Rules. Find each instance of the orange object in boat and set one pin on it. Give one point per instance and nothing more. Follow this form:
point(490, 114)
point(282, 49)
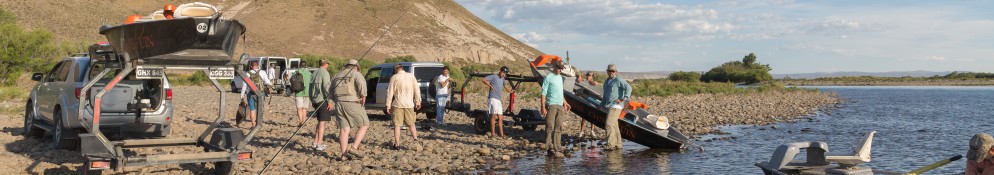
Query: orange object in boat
point(543, 59)
point(132, 19)
point(168, 11)
point(632, 105)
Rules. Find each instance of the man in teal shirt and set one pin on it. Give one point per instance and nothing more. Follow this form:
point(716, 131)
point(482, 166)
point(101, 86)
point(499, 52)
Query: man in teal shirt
point(303, 97)
point(616, 92)
point(554, 109)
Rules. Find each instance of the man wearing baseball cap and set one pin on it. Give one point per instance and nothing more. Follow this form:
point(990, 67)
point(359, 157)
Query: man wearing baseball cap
point(554, 109)
point(616, 92)
point(979, 156)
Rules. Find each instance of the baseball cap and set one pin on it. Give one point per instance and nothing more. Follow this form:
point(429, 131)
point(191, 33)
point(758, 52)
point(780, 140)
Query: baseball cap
point(353, 62)
point(612, 67)
point(979, 146)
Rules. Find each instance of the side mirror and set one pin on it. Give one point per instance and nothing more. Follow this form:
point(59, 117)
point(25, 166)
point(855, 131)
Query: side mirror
point(36, 76)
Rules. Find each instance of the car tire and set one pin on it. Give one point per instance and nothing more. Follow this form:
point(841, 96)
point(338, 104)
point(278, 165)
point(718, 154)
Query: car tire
point(223, 168)
point(30, 130)
point(61, 136)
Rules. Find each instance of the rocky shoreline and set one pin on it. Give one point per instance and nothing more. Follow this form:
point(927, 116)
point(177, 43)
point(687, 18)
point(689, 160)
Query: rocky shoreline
point(453, 148)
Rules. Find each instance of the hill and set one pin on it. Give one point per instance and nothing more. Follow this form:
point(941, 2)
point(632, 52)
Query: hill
point(432, 30)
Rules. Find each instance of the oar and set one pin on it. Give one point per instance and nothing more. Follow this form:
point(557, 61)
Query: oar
point(934, 165)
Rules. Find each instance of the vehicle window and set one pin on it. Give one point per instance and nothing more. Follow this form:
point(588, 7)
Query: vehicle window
point(295, 65)
point(385, 74)
point(52, 73)
point(97, 67)
point(64, 71)
point(425, 74)
point(373, 73)
point(81, 66)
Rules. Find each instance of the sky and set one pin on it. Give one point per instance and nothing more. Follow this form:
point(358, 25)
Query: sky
point(791, 36)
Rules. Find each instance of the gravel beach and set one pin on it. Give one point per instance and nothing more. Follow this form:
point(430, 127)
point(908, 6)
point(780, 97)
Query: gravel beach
point(453, 148)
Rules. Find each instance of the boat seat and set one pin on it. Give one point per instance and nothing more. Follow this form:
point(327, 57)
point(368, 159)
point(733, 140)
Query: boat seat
point(157, 15)
point(859, 155)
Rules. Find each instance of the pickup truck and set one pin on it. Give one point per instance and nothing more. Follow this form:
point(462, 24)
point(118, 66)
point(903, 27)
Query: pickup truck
point(133, 108)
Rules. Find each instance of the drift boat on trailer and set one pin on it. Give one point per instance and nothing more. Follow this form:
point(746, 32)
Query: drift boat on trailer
point(191, 36)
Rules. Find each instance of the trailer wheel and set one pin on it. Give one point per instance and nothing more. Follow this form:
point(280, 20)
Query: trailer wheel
point(30, 130)
point(223, 168)
point(481, 122)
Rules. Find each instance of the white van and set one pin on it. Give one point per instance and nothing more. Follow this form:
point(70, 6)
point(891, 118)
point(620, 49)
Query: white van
point(279, 66)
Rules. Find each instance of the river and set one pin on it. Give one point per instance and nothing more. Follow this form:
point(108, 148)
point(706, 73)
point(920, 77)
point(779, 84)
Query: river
point(915, 127)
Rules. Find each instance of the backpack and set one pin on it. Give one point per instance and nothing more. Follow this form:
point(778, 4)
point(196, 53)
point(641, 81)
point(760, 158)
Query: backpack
point(297, 82)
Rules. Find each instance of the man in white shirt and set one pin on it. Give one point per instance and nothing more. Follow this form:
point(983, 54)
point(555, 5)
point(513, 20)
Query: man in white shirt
point(442, 95)
point(249, 97)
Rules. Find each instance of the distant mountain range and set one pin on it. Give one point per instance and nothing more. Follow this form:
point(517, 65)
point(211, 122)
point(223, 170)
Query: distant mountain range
point(664, 74)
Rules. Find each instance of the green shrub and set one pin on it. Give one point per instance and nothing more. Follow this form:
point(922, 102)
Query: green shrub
point(12, 93)
point(685, 76)
point(745, 71)
point(406, 58)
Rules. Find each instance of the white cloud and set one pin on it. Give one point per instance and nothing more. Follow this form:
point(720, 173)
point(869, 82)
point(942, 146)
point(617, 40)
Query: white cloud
point(530, 38)
point(621, 18)
point(815, 48)
point(935, 58)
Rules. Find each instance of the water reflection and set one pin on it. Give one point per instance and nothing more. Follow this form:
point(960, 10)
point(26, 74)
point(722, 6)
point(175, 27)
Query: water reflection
point(615, 162)
point(553, 165)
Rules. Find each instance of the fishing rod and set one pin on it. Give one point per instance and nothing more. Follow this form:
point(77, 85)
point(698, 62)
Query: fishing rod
point(326, 101)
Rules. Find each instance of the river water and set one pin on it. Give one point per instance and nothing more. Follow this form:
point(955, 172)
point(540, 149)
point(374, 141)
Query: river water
point(915, 127)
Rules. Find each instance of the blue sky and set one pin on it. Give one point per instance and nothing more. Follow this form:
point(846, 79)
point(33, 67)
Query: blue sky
point(791, 36)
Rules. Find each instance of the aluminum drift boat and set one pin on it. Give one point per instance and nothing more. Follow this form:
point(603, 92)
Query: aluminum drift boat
point(198, 39)
point(638, 126)
point(191, 41)
point(820, 161)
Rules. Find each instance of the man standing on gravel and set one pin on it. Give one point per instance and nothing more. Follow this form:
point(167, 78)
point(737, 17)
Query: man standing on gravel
point(349, 88)
point(496, 84)
point(302, 98)
point(321, 100)
point(616, 92)
point(554, 109)
point(403, 97)
point(248, 96)
point(442, 95)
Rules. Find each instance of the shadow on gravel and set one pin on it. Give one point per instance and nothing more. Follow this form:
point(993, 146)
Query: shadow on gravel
point(39, 151)
point(274, 143)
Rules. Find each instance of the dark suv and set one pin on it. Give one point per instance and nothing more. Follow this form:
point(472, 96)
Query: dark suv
point(133, 108)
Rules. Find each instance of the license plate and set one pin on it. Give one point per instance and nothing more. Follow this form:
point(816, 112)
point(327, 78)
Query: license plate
point(225, 73)
point(148, 72)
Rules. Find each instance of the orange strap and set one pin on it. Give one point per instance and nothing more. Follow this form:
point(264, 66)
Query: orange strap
point(543, 59)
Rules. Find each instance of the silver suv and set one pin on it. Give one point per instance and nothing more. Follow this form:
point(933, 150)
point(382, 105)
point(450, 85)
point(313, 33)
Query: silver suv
point(133, 108)
point(378, 79)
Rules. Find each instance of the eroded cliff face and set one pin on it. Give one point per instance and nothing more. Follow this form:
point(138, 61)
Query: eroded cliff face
point(431, 30)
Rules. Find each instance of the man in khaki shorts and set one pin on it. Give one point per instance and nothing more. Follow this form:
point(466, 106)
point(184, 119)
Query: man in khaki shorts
point(349, 91)
point(403, 97)
point(302, 98)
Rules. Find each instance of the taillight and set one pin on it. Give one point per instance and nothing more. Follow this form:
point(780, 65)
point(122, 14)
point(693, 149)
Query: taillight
point(245, 155)
point(78, 91)
point(169, 94)
point(99, 165)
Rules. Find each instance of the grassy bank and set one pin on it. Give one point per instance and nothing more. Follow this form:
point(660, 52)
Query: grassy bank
point(663, 87)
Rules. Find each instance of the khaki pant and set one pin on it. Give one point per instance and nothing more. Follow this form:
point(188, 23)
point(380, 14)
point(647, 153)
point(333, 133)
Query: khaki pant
point(554, 128)
point(351, 115)
point(613, 132)
point(403, 116)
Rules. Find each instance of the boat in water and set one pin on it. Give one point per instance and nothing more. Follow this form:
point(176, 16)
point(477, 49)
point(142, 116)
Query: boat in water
point(197, 35)
point(638, 125)
point(820, 161)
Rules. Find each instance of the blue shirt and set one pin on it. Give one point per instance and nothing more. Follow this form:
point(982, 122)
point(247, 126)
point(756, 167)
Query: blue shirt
point(498, 84)
point(614, 89)
point(552, 89)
